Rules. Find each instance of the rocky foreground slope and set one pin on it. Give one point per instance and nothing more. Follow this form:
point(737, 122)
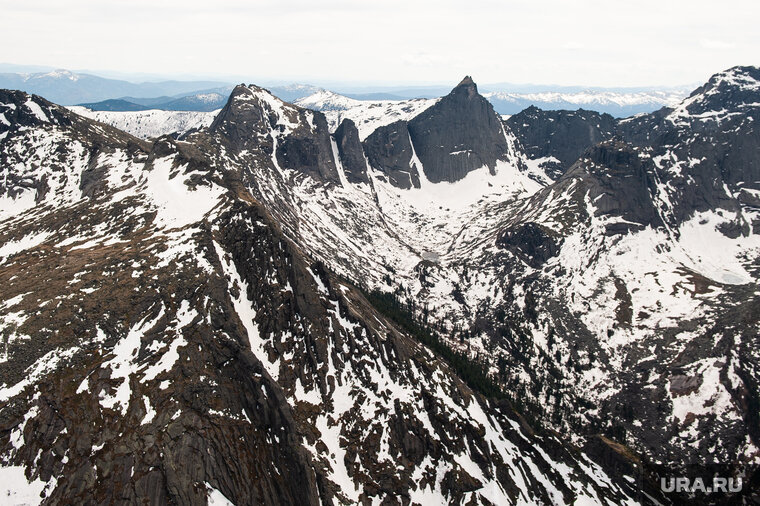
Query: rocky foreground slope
point(181, 322)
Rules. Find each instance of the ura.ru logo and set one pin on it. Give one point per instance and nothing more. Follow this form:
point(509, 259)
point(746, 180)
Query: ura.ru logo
point(718, 484)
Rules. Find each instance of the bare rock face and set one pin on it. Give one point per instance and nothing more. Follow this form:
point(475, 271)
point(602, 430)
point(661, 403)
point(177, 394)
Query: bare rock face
point(530, 242)
point(561, 135)
point(620, 183)
point(307, 148)
point(351, 152)
point(706, 150)
point(457, 135)
point(390, 151)
point(23, 110)
point(244, 118)
point(298, 139)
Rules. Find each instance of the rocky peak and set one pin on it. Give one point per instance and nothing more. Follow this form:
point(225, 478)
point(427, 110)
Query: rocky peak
point(294, 138)
point(733, 90)
point(51, 156)
point(705, 149)
point(466, 85)
point(619, 181)
point(20, 109)
point(457, 135)
point(559, 137)
point(245, 115)
point(745, 78)
point(389, 150)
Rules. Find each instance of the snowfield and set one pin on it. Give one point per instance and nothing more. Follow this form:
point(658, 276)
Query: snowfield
point(152, 123)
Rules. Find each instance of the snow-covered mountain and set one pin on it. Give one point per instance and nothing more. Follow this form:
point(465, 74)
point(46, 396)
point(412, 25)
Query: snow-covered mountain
point(585, 278)
point(367, 115)
point(150, 123)
point(204, 317)
point(617, 103)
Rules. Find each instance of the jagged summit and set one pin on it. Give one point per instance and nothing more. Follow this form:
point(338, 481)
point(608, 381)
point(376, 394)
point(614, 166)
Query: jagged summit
point(466, 81)
point(468, 86)
point(726, 93)
point(746, 77)
point(19, 108)
point(459, 134)
point(289, 136)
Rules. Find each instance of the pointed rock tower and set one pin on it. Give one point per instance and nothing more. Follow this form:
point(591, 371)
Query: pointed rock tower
point(459, 134)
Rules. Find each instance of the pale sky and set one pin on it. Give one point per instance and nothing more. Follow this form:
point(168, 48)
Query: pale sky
point(586, 42)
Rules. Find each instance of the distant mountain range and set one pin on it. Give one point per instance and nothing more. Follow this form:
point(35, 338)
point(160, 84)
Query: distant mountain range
point(617, 103)
point(69, 88)
point(205, 102)
point(105, 94)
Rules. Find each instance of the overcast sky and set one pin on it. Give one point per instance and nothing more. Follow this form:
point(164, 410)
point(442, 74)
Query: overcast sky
point(587, 42)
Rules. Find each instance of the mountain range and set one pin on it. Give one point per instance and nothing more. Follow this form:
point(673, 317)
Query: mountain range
point(103, 94)
point(341, 301)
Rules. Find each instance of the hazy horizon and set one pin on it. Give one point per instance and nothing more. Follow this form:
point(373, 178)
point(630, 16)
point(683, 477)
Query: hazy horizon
point(356, 86)
point(588, 43)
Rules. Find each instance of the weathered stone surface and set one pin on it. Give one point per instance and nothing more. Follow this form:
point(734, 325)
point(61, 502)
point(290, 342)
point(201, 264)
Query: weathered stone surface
point(532, 243)
point(351, 152)
point(563, 135)
point(390, 151)
point(254, 119)
point(457, 135)
point(620, 183)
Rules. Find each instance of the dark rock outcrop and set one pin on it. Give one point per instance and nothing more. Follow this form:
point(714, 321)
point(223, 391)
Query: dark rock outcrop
point(243, 118)
point(307, 149)
point(20, 110)
point(708, 149)
point(620, 183)
point(457, 135)
point(351, 152)
point(531, 242)
point(564, 135)
point(390, 151)
point(253, 119)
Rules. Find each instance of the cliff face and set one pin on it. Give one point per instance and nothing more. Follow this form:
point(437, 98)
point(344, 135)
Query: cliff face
point(350, 152)
point(559, 138)
point(389, 150)
point(298, 139)
point(457, 135)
